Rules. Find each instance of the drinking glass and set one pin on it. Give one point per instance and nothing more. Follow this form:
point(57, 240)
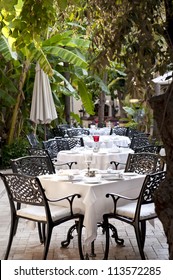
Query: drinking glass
point(96, 138)
point(88, 160)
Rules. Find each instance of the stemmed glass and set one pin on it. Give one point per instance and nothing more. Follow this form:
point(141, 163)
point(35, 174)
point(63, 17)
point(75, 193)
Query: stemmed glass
point(96, 140)
point(88, 160)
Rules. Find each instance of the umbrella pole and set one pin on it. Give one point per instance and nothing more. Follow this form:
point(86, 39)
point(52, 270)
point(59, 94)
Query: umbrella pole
point(45, 130)
point(35, 129)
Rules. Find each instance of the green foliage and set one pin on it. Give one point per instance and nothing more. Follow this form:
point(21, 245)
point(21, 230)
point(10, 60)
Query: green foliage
point(135, 33)
point(76, 117)
point(138, 114)
point(6, 50)
point(17, 149)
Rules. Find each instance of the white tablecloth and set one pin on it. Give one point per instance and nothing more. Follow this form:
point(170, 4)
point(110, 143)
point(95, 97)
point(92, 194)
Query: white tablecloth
point(107, 141)
point(99, 131)
point(101, 160)
point(93, 203)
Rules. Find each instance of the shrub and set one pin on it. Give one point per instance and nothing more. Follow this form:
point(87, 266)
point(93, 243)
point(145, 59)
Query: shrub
point(17, 149)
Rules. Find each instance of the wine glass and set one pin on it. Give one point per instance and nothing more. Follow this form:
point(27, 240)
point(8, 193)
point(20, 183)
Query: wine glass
point(96, 140)
point(88, 160)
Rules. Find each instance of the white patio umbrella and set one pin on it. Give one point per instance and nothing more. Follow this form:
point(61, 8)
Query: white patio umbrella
point(42, 106)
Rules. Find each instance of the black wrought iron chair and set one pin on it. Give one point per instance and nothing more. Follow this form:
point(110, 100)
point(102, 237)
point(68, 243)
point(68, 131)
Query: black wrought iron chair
point(139, 140)
point(85, 131)
point(54, 146)
point(36, 207)
point(38, 152)
point(132, 131)
point(148, 149)
point(74, 141)
point(71, 132)
point(33, 141)
point(60, 130)
point(135, 211)
point(33, 166)
point(43, 152)
point(144, 163)
point(119, 130)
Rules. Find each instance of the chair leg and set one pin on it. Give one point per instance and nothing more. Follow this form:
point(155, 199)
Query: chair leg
point(79, 231)
point(106, 230)
point(143, 232)
point(47, 241)
point(139, 241)
point(41, 232)
point(13, 229)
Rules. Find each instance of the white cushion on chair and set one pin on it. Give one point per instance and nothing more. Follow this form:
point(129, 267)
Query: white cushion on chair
point(38, 212)
point(128, 210)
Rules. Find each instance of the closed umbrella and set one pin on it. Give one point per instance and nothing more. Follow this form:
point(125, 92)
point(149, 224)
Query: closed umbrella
point(42, 106)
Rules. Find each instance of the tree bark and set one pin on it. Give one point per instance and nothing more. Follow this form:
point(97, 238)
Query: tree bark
point(67, 98)
point(19, 101)
point(102, 100)
point(163, 114)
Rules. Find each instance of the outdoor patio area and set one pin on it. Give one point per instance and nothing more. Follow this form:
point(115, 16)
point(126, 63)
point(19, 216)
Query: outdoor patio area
point(26, 245)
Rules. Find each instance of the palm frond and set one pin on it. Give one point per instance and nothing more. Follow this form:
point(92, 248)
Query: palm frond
point(6, 50)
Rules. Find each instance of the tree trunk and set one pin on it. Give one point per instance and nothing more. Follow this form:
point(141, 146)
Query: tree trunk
point(67, 98)
point(163, 114)
point(102, 100)
point(20, 98)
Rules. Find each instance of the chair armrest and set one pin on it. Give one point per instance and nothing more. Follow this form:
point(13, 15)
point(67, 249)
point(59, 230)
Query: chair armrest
point(69, 198)
point(116, 197)
point(116, 163)
point(69, 164)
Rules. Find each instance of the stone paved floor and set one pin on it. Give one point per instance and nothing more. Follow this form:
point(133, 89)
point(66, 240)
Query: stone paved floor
point(26, 244)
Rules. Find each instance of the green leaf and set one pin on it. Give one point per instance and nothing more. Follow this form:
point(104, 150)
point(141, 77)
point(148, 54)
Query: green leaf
point(129, 110)
point(39, 56)
point(75, 117)
point(5, 49)
point(101, 84)
point(75, 43)
point(62, 4)
point(66, 55)
point(7, 99)
point(54, 40)
point(68, 85)
point(7, 81)
point(86, 97)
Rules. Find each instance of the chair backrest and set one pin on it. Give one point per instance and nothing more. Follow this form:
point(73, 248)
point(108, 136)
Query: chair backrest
point(139, 140)
point(22, 189)
point(53, 146)
point(33, 141)
point(119, 130)
point(32, 165)
point(142, 163)
point(85, 131)
point(148, 149)
point(132, 131)
point(150, 185)
point(71, 132)
point(38, 152)
point(74, 141)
